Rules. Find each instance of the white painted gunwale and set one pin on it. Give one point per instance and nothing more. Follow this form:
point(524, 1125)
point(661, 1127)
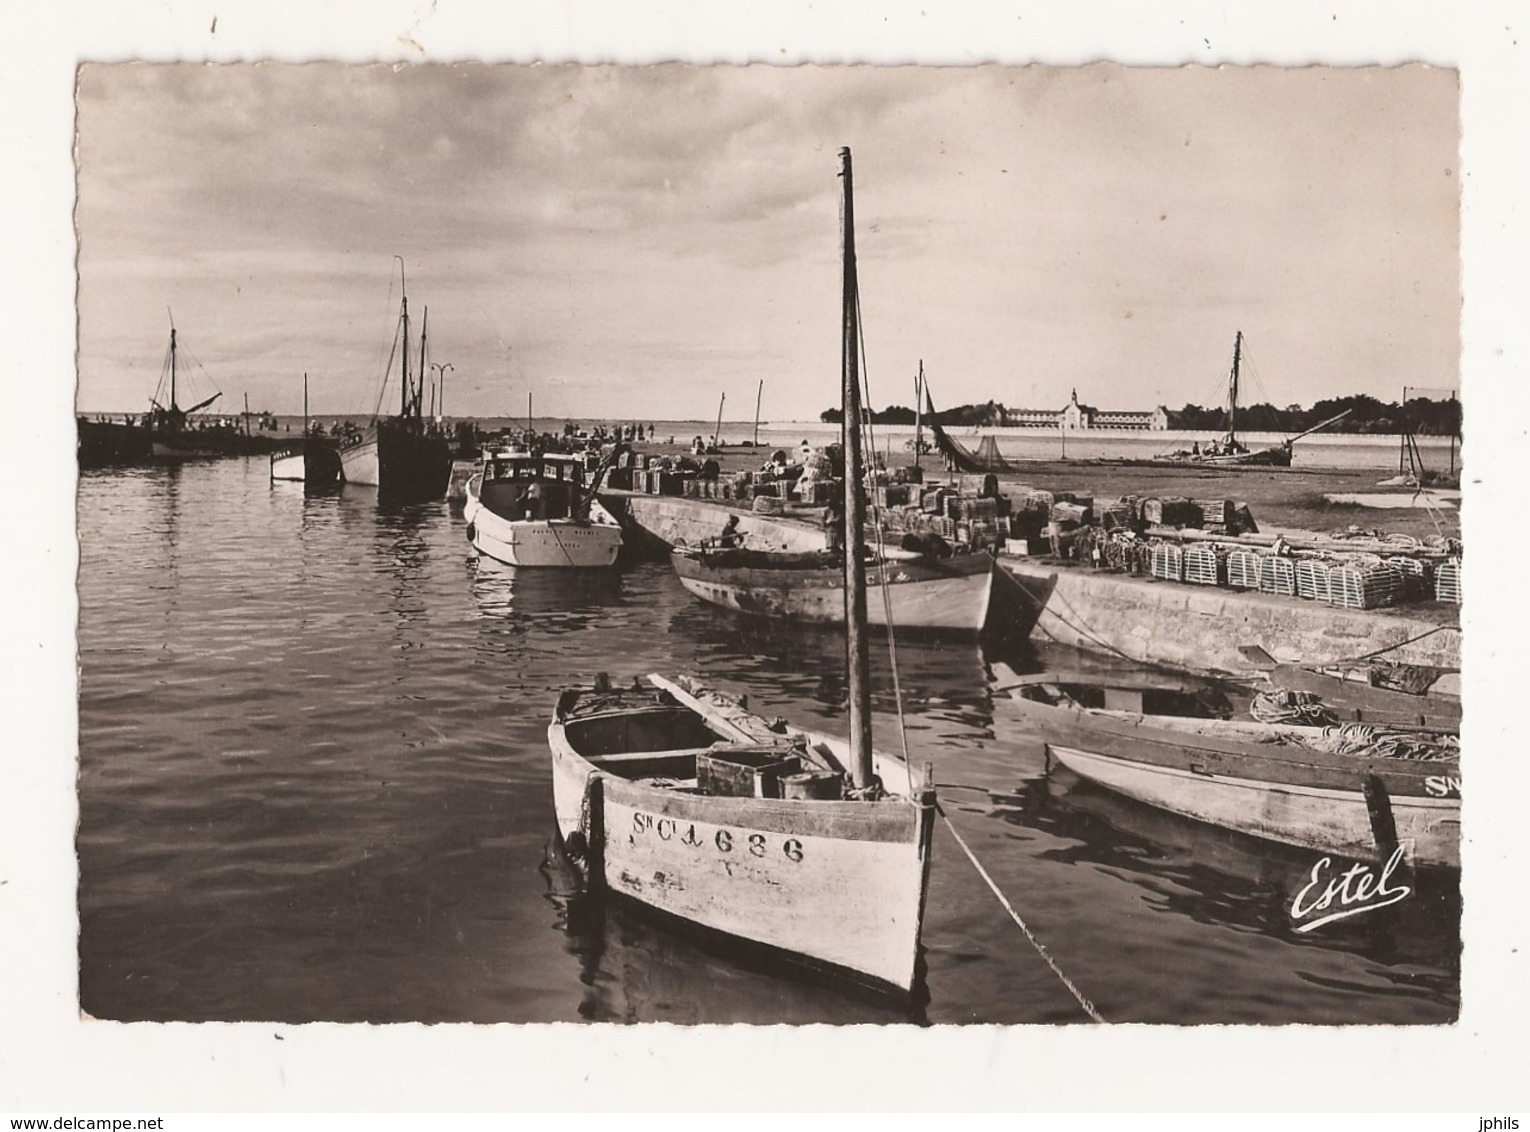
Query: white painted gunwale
point(918, 600)
point(1321, 818)
point(849, 893)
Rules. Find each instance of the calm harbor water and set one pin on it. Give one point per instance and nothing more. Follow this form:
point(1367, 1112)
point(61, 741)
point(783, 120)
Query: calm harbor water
point(314, 785)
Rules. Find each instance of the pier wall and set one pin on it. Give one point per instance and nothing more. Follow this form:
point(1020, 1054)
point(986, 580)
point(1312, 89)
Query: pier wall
point(1202, 626)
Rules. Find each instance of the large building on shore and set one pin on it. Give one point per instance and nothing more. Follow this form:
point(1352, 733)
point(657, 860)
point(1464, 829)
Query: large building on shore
point(1074, 417)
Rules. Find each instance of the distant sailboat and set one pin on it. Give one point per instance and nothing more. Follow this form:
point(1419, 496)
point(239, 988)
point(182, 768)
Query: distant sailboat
point(401, 456)
point(1229, 451)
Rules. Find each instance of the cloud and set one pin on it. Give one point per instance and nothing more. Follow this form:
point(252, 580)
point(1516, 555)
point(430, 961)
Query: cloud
point(1016, 226)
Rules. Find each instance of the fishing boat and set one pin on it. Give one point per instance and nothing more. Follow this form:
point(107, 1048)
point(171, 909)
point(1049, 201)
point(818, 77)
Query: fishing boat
point(1357, 790)
point(315, 460)
point(403, 457)
point(526, 508)
point(925, 593)
point(680, 798)
point(1228, 451)
point(1371, 690)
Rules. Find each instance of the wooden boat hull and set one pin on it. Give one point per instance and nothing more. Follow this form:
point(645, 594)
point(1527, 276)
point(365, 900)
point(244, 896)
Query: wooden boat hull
point(840, 884)
point(290, 467)
point(400, 461)
point(316, 461)
point(945, 595)
point(542, 543)
point(1262, 458)
point(1350, 699)
point(1279, 791)
point(1324, 819)
point(359, 462)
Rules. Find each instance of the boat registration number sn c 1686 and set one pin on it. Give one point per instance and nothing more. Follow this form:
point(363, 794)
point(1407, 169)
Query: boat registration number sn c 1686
point(721, 840)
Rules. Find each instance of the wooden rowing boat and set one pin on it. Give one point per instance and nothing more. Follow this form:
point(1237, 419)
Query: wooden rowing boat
point(683, 800)
point(1371, 691)
point(940, 595)
point(1328, 789)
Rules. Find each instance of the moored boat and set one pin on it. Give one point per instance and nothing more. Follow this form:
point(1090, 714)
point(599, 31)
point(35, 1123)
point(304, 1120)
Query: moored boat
point(405, 458)
point(1373, 690)
point(1358, 790)
point(1228, 451)
point(924, 593)
point(529, 509)
point(684, 801)
point(314, 460)
point(167, 432)
point(689, 803)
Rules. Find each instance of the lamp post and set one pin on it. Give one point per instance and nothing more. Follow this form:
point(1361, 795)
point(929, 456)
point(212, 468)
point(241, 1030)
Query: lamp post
point(441, 369)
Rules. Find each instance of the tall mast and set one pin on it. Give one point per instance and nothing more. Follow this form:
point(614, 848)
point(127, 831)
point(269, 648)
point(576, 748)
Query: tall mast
point(421, 371)
point(404, 322)
point(305, 404)
point(759, 393)
point(918, 412)
point(1232, 388)
point(717, 432)
point(858, 662)
point(172, 369)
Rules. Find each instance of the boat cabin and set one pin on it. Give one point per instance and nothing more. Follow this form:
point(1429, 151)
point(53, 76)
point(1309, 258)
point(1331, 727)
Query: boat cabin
point(528, 487)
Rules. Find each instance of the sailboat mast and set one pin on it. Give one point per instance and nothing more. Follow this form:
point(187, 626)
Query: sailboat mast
point(421, 371)
point(1232, 388)
point(403, 290)
point(404, 396)
point(858, 660)
point(918, 412)
point(305, 404)
point(759, 393)
point(717, 432)
point(172, 369)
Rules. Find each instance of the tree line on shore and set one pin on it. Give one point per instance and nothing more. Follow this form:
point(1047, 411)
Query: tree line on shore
point(1422, 416)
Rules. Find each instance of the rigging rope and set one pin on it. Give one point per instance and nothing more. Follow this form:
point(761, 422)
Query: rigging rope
point(1401, 644)
point(1078, 996)
point(876, 513)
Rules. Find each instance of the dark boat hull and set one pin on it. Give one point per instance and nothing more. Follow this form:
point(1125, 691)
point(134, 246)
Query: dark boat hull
point(401, 459)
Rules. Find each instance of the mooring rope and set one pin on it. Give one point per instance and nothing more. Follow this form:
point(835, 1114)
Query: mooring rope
point(1400, 644)
point(1078, 996)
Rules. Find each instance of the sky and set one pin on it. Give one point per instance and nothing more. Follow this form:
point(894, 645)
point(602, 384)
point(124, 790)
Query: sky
point(626, 242)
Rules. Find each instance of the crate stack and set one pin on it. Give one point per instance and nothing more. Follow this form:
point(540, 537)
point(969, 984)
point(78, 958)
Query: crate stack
point(1447, 581)
point(1243, 569)
point(1168, 562)
point(1312, 579)
point(1418, 576)
point(1216, 513)
point(1365, 585)
point(1277, 575)
point(1171, 512)
point(1205, 565)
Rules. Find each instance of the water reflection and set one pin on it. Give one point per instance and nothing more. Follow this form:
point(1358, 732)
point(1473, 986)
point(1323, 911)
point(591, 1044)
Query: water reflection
point(558, 600)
